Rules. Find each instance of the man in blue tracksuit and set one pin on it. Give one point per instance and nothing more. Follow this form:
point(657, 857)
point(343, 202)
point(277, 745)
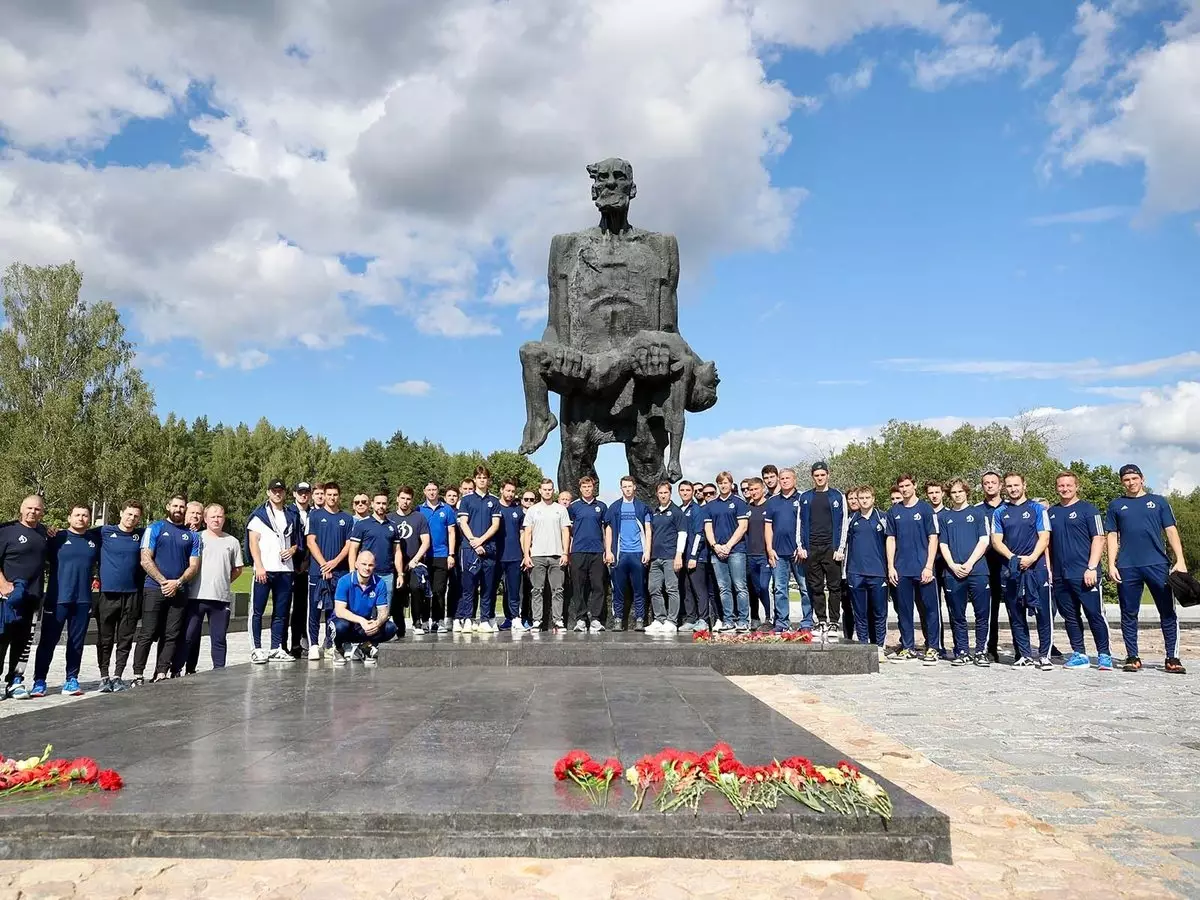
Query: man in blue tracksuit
point(782, 519)
point(328, 542)
point(912, 543)
point(963, 542)
point(728, 520)
point(693, 580)
point(627, 553)
point(1021, 534)
point(1076, 545)
point(822, 511)
point(1136, 524)
point(866, 570)
point(479, 520)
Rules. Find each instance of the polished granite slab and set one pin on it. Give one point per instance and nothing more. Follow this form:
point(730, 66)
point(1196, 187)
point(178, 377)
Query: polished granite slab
point(314, 762)
point(630, 648)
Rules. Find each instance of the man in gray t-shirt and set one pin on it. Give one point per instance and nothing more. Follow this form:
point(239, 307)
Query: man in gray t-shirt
point(220, 565)
point(546, 541)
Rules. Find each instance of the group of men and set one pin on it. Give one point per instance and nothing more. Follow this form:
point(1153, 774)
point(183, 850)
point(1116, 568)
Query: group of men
point(718, 558)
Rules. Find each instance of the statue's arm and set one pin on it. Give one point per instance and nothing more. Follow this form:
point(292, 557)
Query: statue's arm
point(668, 297)
point(558, 326)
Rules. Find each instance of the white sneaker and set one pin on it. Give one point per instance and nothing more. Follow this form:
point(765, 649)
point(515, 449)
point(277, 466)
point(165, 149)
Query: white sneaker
point(418, 628)
point(486, 627)
point(559, 625)
point(832, 635)
point(581, 626)
point(371, 656)
point(519, 627)
point(447, 624)
point(339, 659)
point(687, 628)
point(596, 627)
point(259, 657)
point(471, 625)
point(460, 625)
point(669, 628)
point(654, 627)
point(314, 653)
point(281, 655)
point(718, 626)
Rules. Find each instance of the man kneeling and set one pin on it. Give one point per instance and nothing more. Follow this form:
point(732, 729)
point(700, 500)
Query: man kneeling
point(360, 608)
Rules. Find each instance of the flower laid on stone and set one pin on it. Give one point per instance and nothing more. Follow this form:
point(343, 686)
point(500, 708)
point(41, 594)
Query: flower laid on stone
point(680, 778)
point(39, 773)
point(754, 637)
point(592, 776)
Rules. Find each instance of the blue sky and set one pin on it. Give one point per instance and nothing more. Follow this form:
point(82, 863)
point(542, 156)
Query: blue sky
point(939, 231)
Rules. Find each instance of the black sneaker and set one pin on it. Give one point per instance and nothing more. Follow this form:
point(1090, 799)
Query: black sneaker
point(982, 660)
point(106, 685)
point(993, 656)
point(137, 681)
point(1132, 664)
point(1174, 666)
point(963, 659)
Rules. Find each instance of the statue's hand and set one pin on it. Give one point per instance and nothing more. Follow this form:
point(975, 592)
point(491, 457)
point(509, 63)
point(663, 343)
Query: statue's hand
point(571, 363)
point(653, 360)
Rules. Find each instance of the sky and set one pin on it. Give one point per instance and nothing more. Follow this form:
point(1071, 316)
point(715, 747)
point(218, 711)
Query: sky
point(337, 216)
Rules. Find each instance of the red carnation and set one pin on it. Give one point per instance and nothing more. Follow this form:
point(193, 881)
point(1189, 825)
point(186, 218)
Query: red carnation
point(84, 769)
point(109, 780)
point(612, 768)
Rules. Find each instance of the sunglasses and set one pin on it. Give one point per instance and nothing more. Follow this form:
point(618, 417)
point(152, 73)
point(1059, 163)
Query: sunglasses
point(361, 502)
point(527, 499)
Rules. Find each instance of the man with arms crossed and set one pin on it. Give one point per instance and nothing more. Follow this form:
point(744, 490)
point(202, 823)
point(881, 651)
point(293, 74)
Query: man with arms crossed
point(1021, 534)
point(1076, 545)
point(963, 541)
point(170, 559)
point(912, 543)
point(545, 542)
point(360, 608)
point(1136, 524)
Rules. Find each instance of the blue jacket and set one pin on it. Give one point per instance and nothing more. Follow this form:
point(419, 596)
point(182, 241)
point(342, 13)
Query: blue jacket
point(612, 519)
point(837, 510)
point(1028, 582)
point(291, 514)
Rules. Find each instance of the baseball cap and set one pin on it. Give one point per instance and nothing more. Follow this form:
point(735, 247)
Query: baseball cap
point(276, 485)
point(302, 487)
point(820, 466)
point(1129, 469)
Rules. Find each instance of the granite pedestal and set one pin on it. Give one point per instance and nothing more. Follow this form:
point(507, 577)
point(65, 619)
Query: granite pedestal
point(314, 762)
point(629, 648)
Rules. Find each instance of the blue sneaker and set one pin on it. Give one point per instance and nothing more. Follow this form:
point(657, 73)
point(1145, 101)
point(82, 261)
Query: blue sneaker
point(1077, 661)
point(39, 689)
point(1104, 662)
point(71, 688)
point(506, 625)
point(17, 689)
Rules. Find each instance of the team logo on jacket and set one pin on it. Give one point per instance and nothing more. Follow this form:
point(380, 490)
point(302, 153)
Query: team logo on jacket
point(731, 506)
point(489, 504)
point(1025, 515)
point(835, 504)
point(970, 518)
point(514, 515)
point(92, 544)
point(186, 536)
point(342, 523)
point(597, 509)
point(22, 540)
point(916, 517)
point(1149, 504)
point(1072, 515)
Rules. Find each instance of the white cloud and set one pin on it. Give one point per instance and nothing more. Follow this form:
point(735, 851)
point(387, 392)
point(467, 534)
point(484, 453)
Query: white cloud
point(244, 359)
point(1159, 430)
point(1077, 370)
point(1091, 216)
point(408, 388)
point(858, 80)
point(978, 60)
point(1134, 108)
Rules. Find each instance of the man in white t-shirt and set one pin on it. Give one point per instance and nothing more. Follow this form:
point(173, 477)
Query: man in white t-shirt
point(546, 541)
point(273, 534)
point(220, 564)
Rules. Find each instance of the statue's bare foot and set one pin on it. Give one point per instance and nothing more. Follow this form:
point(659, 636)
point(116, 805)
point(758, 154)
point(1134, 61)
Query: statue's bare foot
point(536, 432)
point(674, 470)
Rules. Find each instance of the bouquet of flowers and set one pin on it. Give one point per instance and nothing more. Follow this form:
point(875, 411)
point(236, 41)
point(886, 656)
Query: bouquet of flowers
point(592, 776)
point(754, 637)
point(39, 773)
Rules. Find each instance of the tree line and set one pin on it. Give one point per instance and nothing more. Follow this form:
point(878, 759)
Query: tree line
point(78, 424)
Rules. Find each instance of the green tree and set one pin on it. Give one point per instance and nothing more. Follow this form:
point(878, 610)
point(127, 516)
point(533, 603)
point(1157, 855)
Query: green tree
point(77, 416)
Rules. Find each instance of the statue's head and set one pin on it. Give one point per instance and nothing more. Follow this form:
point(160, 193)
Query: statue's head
point(612, 183)
point(703, 394)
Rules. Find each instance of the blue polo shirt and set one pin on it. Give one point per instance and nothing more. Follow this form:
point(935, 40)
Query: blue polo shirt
point(911, 526)
point(441, 519)
point(1139, 523)
point(865, 551)
point(478, 512)
point(512, 520)
point(120, 559)
point(1071, 531)
point(587, 525)
point(72, 559)
point(725, 516)
point(173, 547)
point(1018, 524)
point(960, 530)
point(330, 530)
point(666, 525)
point(694, 518)
point(360, 600)
point(781, 513)
point(380, 538)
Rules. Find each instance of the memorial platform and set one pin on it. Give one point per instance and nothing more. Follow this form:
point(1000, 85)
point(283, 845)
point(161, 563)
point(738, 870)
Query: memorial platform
point(629, 648)
point(299, 761)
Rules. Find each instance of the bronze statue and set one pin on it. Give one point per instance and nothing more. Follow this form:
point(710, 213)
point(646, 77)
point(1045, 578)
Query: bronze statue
point(612, 348)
